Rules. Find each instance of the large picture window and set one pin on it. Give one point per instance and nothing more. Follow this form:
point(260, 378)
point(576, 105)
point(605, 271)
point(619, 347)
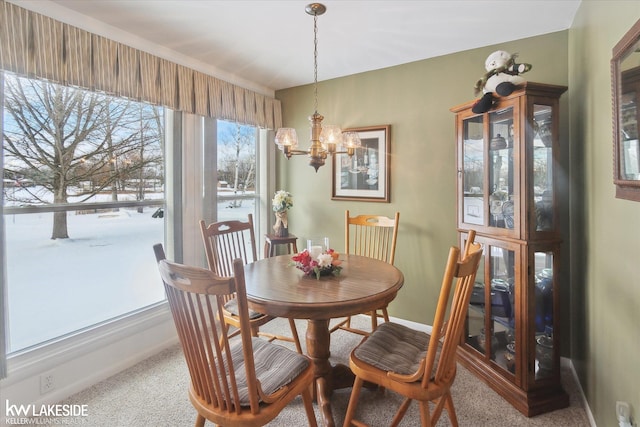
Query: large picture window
point(83, 199)
point(91, 181)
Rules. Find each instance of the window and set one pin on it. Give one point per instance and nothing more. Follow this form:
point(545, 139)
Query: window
point(236, 170)
point(89, 286)
point(83, 198)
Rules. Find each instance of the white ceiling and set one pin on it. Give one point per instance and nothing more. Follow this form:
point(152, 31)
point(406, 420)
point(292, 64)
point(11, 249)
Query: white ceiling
point(268, 45)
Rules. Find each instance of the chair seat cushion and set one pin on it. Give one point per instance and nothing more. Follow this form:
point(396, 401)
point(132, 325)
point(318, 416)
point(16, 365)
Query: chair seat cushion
point(276, 366)
point(232, 307)
point(394, 347)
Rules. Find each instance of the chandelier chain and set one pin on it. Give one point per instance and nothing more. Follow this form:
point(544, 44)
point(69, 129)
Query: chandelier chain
point(315, 60)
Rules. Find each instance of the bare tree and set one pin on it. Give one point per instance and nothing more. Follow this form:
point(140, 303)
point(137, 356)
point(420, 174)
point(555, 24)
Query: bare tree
point(236, 155)
point(237, 158)
point(61, 138)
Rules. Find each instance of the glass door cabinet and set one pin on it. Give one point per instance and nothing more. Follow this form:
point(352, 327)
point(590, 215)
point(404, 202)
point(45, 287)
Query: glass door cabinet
point(507, 192)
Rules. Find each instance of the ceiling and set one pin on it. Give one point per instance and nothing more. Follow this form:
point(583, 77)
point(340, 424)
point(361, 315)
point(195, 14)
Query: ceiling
point(268, 45)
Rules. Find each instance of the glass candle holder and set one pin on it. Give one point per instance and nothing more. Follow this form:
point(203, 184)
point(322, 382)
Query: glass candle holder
point(317, 246)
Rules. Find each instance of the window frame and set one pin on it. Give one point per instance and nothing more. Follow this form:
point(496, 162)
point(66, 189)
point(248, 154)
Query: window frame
point(52, 208)
point(176, 240)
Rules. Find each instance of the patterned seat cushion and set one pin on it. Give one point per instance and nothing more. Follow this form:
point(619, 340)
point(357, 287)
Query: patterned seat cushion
point(232, 307)
point(276, 366)
point(396, 348)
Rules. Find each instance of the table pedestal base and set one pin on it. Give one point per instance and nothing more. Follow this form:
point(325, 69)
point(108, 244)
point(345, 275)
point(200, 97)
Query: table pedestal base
point(318, 342)
point(327, 377)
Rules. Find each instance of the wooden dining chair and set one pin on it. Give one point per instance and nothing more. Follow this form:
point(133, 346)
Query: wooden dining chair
point(373, 236)
point(412, 363)
point(243, 381)
point(225, 241)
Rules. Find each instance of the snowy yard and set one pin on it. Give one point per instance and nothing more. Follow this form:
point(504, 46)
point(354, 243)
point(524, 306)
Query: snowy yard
point(105, 269)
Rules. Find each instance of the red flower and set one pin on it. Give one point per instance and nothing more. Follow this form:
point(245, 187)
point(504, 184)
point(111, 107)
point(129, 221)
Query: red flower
point(303, 257)
point(309, 266)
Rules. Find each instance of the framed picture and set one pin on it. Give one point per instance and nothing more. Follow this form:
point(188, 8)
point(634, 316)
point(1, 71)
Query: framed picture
point(365, 175)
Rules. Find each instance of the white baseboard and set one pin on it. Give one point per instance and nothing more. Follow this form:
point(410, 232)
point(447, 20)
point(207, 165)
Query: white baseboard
point(568, 363)
point(413, 325)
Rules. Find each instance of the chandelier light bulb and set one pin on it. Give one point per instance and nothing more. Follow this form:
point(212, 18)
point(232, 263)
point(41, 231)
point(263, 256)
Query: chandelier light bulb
point(331, 137)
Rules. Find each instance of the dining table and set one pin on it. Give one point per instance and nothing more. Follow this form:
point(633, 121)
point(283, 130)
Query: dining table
point(277, 288)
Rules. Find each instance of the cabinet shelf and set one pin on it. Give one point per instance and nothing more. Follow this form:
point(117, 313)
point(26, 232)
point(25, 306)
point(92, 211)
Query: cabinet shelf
point(508, 193)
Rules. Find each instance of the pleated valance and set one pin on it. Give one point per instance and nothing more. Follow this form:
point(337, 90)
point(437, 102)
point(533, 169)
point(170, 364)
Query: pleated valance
point(36, 46)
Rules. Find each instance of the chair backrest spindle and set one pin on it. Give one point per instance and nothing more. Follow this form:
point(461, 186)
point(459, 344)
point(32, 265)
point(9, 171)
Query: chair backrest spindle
point(225, 241)
point(196, 298)
point(373, 236)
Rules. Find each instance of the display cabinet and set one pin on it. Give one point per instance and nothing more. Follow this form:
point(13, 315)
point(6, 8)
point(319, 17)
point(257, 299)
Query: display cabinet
point(507, 160)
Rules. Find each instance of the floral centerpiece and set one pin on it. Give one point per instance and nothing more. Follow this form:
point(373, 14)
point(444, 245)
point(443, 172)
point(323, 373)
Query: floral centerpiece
point(282, 201)
point(324, 264)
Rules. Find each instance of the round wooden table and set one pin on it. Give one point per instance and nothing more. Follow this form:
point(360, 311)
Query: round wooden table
point(277, 288)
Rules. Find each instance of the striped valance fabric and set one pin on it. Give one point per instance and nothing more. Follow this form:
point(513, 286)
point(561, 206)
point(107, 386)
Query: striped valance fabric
point(37, 46)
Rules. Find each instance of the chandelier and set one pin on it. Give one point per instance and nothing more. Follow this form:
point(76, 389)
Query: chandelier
point(324, 140)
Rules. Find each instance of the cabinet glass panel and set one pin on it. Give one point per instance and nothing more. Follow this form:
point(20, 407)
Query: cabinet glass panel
point(491, 314)
point(502, 312)
point(475, 314)
point(543, 167)
point(544, 314)
point(473, 169)
point(501, 168)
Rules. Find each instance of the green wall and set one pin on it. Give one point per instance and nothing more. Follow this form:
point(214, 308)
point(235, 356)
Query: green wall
point(601, 298)
point(415, 100)
point(606, 233)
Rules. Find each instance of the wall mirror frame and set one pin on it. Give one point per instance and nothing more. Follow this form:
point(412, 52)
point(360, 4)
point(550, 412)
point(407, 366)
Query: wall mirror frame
point(625, 87)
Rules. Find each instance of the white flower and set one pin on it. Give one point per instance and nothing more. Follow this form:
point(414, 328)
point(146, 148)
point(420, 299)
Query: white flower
point(282, 201)
point(324, 260)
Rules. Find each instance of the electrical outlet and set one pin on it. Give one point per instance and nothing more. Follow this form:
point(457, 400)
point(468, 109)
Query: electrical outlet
point(47, 382)
point(623, 412)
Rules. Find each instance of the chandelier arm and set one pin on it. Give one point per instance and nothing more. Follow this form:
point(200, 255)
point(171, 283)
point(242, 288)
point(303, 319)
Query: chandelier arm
point(288, 152)
point(349, 151)
point(298, 152)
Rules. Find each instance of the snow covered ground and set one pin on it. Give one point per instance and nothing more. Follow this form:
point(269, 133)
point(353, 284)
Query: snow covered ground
point(105, 269)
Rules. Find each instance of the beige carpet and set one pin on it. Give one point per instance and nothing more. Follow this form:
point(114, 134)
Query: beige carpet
point(154, 393)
